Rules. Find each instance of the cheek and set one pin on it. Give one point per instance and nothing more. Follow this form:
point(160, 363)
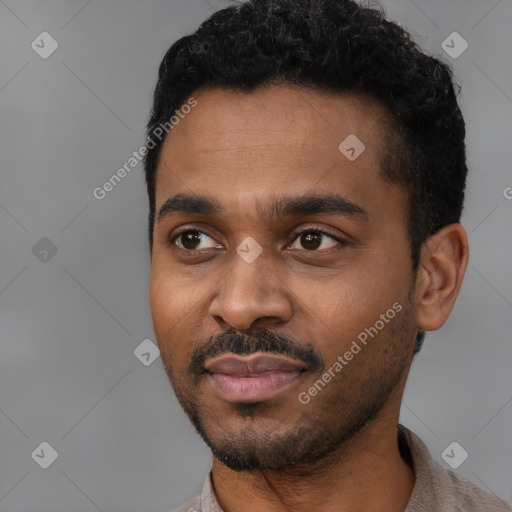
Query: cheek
point(159, 300)
point(165, 321)
point(168, 297)
point(176, 311)
point(354, 300)
point(167, 308)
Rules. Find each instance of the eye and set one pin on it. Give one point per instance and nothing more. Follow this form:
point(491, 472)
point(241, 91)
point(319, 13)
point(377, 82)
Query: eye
point(193, 240)
point(314, 239)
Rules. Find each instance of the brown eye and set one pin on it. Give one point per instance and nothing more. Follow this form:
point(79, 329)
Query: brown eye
point(311, 240)
point(191, 240)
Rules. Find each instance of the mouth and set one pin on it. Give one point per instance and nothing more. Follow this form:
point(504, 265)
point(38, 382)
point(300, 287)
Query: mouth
point(253, 378)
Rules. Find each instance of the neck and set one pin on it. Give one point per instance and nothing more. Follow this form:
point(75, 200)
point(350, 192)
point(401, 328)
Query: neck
point(365, 474)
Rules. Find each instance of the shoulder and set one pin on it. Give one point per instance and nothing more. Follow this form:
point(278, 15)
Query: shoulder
point(191, 506)
point(440, 489)
point(471, 498)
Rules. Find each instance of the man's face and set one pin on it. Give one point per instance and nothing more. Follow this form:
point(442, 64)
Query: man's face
point(253, 304)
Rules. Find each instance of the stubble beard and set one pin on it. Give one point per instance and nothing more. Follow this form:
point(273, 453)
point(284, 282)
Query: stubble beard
point(312, 434)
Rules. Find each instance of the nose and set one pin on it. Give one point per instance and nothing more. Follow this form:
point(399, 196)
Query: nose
point(252, 293)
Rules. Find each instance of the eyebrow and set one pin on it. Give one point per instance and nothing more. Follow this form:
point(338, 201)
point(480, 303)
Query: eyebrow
point(330, 204)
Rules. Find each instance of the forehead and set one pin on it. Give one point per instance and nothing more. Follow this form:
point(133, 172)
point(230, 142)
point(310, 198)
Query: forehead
point(244, 146)
point(224, 119)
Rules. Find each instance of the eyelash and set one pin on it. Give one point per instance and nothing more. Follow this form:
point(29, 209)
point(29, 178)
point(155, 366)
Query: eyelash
point(342, 241)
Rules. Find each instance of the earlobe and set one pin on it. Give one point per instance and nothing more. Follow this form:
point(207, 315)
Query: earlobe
point(443, 262)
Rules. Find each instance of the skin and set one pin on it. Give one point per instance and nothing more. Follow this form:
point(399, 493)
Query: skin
point(339, 452)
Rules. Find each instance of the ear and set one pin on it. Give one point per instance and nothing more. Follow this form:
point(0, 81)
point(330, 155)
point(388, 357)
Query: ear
point(443, 261)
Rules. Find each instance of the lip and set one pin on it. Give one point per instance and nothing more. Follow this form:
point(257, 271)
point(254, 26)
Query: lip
point(253, 378)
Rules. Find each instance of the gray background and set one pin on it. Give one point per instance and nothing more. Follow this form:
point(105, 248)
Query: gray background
point(70, 325)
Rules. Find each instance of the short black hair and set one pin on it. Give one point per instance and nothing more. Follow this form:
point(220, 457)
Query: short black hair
point(334, 46)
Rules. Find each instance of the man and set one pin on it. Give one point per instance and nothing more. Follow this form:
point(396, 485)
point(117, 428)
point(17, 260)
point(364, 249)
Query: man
point(306, 173)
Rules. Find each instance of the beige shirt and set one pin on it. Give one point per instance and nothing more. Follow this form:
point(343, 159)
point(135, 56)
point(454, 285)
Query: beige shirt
point(436, 489)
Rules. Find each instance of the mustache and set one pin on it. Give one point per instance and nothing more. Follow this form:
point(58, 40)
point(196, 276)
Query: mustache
point(264, 340)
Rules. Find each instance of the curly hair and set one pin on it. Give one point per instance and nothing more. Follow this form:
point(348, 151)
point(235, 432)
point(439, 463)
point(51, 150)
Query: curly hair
point(335, 46)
